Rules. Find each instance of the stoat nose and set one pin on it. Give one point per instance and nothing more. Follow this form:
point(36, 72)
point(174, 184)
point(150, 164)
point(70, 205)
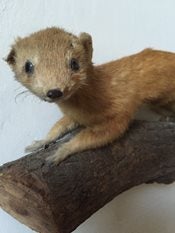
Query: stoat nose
point(54, 93)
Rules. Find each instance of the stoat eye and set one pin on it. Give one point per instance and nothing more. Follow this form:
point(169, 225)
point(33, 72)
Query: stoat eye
point(74, 65)
point(29, 67)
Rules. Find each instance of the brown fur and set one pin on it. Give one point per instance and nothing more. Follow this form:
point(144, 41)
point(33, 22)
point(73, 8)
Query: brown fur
point(102, 98)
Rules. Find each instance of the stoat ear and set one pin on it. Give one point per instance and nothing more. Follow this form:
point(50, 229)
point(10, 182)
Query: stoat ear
point(11, 58)
point(86, 40)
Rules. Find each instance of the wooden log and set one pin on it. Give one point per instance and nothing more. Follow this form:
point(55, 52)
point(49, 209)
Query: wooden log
point(57, 199)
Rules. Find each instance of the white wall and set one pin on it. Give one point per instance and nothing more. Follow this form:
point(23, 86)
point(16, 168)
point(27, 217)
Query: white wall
point(118, 27)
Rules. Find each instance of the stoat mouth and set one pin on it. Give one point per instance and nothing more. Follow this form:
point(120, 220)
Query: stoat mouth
point(49, 100)
point(46, 99)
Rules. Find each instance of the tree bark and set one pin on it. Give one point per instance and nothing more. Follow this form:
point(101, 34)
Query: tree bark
point(57, 199)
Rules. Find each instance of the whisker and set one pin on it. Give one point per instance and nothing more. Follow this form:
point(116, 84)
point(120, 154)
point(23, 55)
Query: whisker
point(26, 95)
point(19, 94)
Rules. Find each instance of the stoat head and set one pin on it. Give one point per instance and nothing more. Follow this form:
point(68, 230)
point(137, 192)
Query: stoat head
point(52, 63)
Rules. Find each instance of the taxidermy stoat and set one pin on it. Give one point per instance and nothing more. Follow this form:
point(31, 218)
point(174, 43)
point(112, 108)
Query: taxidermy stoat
point(57, 67)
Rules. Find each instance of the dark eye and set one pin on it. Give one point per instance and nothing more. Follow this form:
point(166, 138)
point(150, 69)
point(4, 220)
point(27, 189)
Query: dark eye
point(29, 67)
point(74, 65)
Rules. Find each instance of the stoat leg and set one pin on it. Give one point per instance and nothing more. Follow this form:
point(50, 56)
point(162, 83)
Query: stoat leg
point(61, 127)
point(91, 137)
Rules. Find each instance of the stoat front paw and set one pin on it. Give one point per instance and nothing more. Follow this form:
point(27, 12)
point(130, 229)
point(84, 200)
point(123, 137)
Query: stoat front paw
point(37, 145)
point(62, 153)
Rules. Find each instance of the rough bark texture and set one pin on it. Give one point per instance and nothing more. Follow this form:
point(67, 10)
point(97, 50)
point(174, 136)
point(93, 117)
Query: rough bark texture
point(56, 199)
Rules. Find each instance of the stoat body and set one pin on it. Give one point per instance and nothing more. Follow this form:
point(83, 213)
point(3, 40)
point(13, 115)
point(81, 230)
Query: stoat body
point(57, 67)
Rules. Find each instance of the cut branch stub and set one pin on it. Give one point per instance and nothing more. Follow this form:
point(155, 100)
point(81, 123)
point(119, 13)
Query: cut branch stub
point(57, 199)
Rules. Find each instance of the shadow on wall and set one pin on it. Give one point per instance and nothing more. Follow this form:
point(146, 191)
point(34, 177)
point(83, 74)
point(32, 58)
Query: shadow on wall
point(143, 209)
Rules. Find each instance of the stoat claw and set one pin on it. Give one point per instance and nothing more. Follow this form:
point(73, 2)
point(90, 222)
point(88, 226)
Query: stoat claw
point(37, 145)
